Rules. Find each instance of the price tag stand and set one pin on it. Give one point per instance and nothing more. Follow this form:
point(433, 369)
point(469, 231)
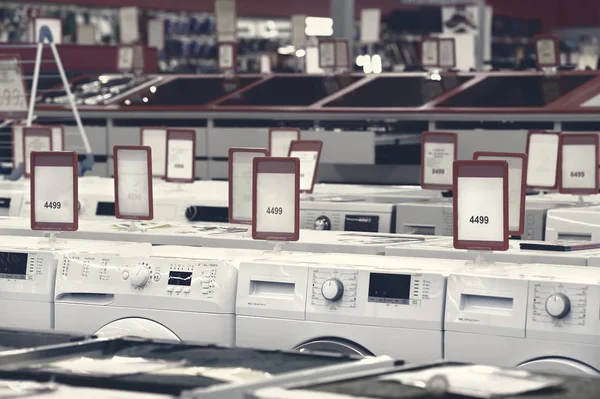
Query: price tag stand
point(438, 152)
point(309, 154)
point(280, 139)
point(334, 55)
point(240, 183)
point(578, 164)
point(180, 157)
point(35, 139)
point(542, 161)
point(547, 50)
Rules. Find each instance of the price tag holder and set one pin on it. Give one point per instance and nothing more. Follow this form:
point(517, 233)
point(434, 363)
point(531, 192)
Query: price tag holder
point(58, 138)
point(438, 152)
point(265, 64)
point(430, 52)
point(370, 25)
point(227, 55)
point(578, 164)
point(342, 54)
point(225, 15)
point(240, 183)
point(547, 51)
point(276, 199)
point(517, 174)
point(327, 53)
point(309, 154)
point(156, 139)
point(542, 160)
point(35, 138)
point(280, 140)
point(133, 182)
point(54, 186)
point(55, 26)
point(447, 53)
point(129, 31)
point(13, 98)
point(125, 58)
point(480, 205)
point(181, 156)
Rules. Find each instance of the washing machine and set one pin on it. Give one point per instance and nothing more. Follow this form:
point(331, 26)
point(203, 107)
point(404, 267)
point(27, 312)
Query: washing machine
point(28, 273)
point(542, 318)
point(10, 202)
point(349, 304)
point(444, 249)
point(582, 223)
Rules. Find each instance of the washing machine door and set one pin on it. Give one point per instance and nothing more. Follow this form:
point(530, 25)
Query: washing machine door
point(137, 327)
point(334, 346)
point(559, 366)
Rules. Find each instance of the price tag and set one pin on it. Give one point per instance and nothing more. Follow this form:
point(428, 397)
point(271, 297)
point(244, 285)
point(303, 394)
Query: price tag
point(480, 209)
point(327, 53)
point(280, 140)
point(156, 139)
point(35, 138)
point(58, 138)
point(129, 31)
point(299, 31)
point(370, 21)
point(342, 57)
point(309, 154)
point(125, 59)
point(265, 63)
point(227, 55)
point(430, 53)
point(588, 56)
point(181, 156)
point(276, 199)
point(86, 34)
point(240, 183)
point(225, 15)
point(517, 172)
point(13, 100)
point(156, 34)
point(578, 163)
point(547, 51)
point(54, 199)
point(133, 182)
point(542, 160)
point(438, 152)
point(55, 26)
point(447, 53)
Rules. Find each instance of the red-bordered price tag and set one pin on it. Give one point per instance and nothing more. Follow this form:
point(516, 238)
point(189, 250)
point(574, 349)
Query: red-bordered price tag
point(240, 183)
point(547, 50)
point(227, 55)
point(280, 140)
point(578, 163)
point(13, 98)
point(133, 182)
point(156, 139)
point(276, 199)
point(438, 152)
point(54, 186)
point(542, 160)
point(125, 57)
point(181, 156)
point(35, 138)
point(447, 52)
point(480, 205)
point(342, 54)
point(327, 53)
point(309, 154)
point(58, 141)
point(430, 52)
point(517, 174)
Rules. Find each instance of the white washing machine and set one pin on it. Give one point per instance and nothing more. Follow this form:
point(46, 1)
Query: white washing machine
point(539, 317)
point(28, 272)
point(582, 223)
point(10, 202)
point(444, 249)
point(361, 305)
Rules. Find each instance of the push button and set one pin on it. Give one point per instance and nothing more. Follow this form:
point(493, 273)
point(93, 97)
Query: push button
point(125, 275)
point(156, 277)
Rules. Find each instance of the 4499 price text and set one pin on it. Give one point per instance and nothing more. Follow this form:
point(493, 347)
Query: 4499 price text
point(275, 210)
point(479, 219)
point(52, 205)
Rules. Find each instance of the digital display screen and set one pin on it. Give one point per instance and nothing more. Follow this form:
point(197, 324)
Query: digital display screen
point(105, 209)
point(13, 265)
point(180, 278)
point(389, 288)
point(364, 223)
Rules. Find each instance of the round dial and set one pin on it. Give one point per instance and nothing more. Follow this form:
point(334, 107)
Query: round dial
point(558, 305)
point(140, 276)
point(332, 289)
point(322, 223)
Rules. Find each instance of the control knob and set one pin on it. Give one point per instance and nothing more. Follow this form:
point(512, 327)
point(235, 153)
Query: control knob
point(322, 223)
point(140, 276)
point(558, 305)
point(332, 289)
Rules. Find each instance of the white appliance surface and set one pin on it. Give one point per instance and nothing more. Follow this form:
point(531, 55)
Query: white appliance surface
point(444, 249)
point(377, 305)
point(29, 389)
point(539, 317)
point(28, 273)
point(582, 223)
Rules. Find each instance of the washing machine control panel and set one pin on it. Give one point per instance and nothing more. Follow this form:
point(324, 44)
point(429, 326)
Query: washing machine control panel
point(25, 273)
point(372, 222)
point(380, 296)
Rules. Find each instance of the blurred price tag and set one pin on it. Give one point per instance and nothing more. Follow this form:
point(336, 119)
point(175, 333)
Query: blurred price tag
point(280, 140)
point(13, 100)
point(35, 139)
point(438, 152)
point(542, 160)
point(240, 183)
point(156, 139)
point(181, 156)
point(133, 182)
point(309, 154)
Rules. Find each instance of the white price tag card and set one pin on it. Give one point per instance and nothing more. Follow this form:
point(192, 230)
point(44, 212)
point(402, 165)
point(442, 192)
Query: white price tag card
point(133, 182)
point(54, 201)
point(129, 31)
point(276, 199)
point(327, 53)
point(86, 34)
point(181, 156)
point(240, 183)
point(280, 140)
point(55, 26)
point(225, 15)
point(447, 52)
point(13, 100)
point(156, 34)
point(309, 154)
point(342, 56)
point(58, 138)
point(480, 205)
point(125, 59)
point(542, 160)
point(35, 138)
point(298, 31)
point(227, 55)
point(156, 139)
point(265, 63)
point(430, 52)
point(578, 163)
point(547, 51)
point(370, 21)
point(517, 173)
point(438, 152)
